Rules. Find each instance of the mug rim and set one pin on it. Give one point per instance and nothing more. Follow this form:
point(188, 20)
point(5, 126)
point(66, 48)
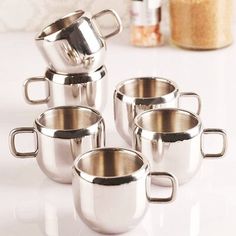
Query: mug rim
point(168, 136)
point(147, 100)
point(53, 36)
point(112, 180)
point(68, 79)
point(68, 133)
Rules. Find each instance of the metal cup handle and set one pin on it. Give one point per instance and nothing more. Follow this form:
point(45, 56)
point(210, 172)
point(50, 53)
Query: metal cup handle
point(174, 186)
point(26, 90)
point(194, 95)
point(224, 146)
point(117, 20)
point(12, 145)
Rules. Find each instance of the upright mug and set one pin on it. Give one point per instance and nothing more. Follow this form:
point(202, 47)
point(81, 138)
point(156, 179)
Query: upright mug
point(111, 188)
point(74, 43)
point(62, 134)
point(87, 89)
point(136, 95)
point(172, 140)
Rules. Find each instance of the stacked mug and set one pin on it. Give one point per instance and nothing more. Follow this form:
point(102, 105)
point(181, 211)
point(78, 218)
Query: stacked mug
point(74, 49)
point(75, 81)
point(111, 186)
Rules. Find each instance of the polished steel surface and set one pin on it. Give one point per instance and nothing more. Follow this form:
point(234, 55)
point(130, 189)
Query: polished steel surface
point(74, 43)
point(111, 189)
point(86, 89)
point(62, 134)
point(172, 140)
point(134, 96)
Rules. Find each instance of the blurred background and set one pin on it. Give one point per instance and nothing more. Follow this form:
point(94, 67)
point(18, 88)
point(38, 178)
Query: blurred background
point(32, 15)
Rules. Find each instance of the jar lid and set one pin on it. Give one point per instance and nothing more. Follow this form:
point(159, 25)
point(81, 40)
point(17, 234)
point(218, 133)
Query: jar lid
point(145, 12)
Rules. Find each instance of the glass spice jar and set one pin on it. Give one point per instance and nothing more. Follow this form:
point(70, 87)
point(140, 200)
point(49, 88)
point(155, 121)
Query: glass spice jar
point(201, 24)
point(145, 23)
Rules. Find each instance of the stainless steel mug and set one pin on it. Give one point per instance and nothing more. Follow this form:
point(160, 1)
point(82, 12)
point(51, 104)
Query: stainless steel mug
point(133, 96)
point(74, 43)
point(111, 188)
point(172, 140)
point(86, 89)
point(62, 134)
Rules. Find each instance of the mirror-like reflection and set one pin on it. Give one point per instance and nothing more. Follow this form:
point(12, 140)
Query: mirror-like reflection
point(194, 213)
point(50, 212)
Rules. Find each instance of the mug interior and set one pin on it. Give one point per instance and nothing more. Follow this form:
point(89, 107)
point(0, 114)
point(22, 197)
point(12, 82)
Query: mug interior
point(167, 121)
point(109, 162)
point(68, 118)
point(61, 24)
point(146, 87)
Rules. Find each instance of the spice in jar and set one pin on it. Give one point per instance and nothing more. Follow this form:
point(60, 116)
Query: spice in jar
point(201, 24)
point(145, 23)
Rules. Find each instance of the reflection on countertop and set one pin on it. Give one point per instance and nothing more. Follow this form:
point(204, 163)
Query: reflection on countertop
point(52, 213)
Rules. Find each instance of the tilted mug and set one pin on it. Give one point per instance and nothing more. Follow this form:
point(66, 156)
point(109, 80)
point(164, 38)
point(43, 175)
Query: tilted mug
point(133, 96)
point(74, 43)
point(111, 188)
point(86, 89)
point(173, 141)
point(62, 134)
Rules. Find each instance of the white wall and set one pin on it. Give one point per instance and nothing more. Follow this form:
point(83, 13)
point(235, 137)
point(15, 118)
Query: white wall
point(32, 15)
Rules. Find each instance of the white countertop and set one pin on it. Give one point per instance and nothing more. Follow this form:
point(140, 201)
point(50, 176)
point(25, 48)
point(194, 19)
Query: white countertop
point(31, 204)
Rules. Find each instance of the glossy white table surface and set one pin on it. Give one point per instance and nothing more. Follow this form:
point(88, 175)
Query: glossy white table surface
point(31, 204)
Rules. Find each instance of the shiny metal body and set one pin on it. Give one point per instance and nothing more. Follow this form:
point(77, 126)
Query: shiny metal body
point(111, 189)
point(86, 89)
point(62, 134)
point(172, 140)
point(74, 43)
point(137, 95)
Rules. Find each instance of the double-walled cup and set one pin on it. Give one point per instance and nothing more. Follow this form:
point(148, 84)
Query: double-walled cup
point(137, 95)
point(173, 141)
point(74, 43)
point(111, 189)
point(86, 89)
point(62, 134)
